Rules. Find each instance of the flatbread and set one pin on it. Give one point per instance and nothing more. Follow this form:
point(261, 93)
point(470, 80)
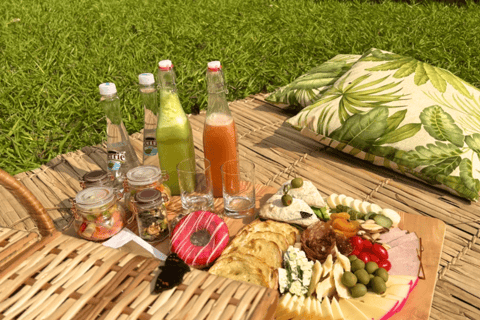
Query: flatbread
point(308, 193)
point(275, 210)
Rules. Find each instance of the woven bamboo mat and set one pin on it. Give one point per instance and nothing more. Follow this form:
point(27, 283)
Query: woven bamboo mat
point(279, 153)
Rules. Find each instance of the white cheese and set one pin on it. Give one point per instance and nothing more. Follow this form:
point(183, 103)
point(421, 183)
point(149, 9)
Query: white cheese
point(296, 288)
point(275, 210)
point(332, 200)
point(282, 280)
point(374, 208)
point(339, 199)
point(307, 193)
point(348, 201)
point(364, 207)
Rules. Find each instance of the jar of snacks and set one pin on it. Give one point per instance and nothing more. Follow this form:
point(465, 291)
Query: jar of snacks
point(145, 177)
point(151, 215)
point(97, 178)
point(98, 215)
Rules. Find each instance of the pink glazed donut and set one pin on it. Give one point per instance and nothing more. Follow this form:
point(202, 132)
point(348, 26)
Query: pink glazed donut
point(199, 238)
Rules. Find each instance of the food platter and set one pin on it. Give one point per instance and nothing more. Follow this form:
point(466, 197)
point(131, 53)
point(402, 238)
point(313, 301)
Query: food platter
point(431, 232)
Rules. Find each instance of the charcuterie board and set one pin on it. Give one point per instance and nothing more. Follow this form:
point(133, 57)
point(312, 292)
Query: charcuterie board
point(430, 230)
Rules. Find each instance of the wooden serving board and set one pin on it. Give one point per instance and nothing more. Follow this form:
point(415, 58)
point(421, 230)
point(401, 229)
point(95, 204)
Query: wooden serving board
point(430, 230)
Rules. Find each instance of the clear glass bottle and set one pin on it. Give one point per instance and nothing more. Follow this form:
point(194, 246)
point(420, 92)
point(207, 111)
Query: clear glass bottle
point(148, 93)
point(98, 215)
point(151, 215)
point(219, 135)
point(145, 177)
point(174, 132)
point(121, 156)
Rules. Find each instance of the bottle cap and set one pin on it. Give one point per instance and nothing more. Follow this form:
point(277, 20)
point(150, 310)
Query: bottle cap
point(214, 66)
point(146, 79)
point(143, 175)
point(148, 196)
point(94, 198)
point(107, 88)
point(165, 65)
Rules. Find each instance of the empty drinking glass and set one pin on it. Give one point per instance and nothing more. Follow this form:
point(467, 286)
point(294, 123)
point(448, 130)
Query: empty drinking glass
point(238, 179)
point(195, 182)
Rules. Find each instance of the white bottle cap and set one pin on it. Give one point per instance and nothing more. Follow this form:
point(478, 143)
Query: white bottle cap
point(165, 65)
point(214, 66)
point(107, 88)
point(146, 79)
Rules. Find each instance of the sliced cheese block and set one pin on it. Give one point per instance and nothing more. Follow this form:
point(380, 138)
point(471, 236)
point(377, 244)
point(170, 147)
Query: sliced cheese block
point(282, 304)
point(325, 288)
point(356, 205)
point(318, 309)
point(306, 310)
point(382, 302)
point(344, 261)
point(400, 279)
point(364, 207)
point(332, 200)
point(327, 266)
point(370, 310)
point(289, 309)
point(398, 290)
point(327, 309)
point(316, 275)
point(336, 310)
point(342, 290)
point(350, 312)
point(348, 201)
point(339, 199)
point(298, 309)
point(275, 210)
point(307, 193)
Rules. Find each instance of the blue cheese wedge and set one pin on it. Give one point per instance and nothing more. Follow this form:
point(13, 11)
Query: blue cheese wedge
point(296, 276)
point(275, 210)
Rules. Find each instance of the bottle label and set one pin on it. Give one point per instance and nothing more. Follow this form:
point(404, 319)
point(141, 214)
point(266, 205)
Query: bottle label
point(150, 146)
point(115, 159)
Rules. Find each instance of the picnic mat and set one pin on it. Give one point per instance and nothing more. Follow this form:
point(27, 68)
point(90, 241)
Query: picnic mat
point(281, 152)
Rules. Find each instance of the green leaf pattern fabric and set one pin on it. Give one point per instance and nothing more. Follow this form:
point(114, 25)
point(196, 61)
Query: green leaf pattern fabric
point(308, 87)
point(407, 115)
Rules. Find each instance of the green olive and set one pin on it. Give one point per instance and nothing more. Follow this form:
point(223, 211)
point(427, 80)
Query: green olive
point(371, 276)
point(371, 267)
point(358, 290)
point(383, 221)
point(352, 258)
point(382, 273)
point(362, 276)
point(378, 285)
point(297, 183)
point(349, 279)
point(287, 200)
point(357, 265)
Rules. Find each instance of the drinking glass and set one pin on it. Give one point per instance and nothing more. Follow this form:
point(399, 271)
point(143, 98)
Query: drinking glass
point(238, 178)
point(195, 182)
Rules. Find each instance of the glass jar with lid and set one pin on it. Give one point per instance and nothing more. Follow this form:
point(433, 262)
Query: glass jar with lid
point(98, 215)
point(145, 177)
point(97, 178)
point(151, 215)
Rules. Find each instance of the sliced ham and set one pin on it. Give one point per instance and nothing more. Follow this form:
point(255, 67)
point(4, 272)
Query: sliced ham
point(404, 258)
point(405, 238)
point(391, 235)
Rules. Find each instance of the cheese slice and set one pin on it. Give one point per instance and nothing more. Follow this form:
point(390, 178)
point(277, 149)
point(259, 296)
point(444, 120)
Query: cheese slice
point(370, 310)
point(289, 310)
point(327, 266)
point(282, 304)
point(325, 287)
point(344, 261)
point(319, 310)
point(351, 312)
point(305, 314)
point(399, 290)
point(336, 310)
point(317, 271)
point(373, 299)
point(337, 272)
point(298, 309)
point(339, 199)
point(327, 309)
point(393, 279)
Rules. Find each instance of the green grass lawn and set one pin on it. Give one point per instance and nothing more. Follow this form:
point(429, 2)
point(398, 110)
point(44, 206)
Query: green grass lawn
point(54, 54)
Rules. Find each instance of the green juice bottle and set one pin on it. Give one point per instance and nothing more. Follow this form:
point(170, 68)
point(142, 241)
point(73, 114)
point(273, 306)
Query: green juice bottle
point(174, 132)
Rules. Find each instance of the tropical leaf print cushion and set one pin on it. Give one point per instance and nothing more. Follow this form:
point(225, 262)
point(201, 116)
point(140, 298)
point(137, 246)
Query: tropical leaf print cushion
point(307, 88)
point(404, 114)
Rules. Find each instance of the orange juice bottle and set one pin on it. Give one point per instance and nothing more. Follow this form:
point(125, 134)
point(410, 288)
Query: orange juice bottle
point(220, 135)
